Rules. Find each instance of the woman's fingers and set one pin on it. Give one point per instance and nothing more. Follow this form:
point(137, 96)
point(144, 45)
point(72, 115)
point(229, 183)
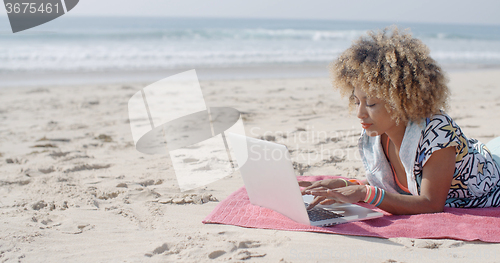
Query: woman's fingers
point(333, 194)
point(314, 184)
point(308, 185)
point(316, 201)
point(349, 194)
point(305, 183)
point(320, 192)
point(321, 200)
point(328, 202)
point(311, 188)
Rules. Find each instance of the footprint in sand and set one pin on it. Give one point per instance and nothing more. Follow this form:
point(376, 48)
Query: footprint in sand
point(61, 223)
point(158, 250)
point(215, 254)
point(87, 167)
point(240, 252)
point(188, 199)
point(245, 254)
point(429, 244)
point(249, 244)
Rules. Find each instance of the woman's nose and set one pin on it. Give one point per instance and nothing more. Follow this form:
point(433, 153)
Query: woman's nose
point(361, 111)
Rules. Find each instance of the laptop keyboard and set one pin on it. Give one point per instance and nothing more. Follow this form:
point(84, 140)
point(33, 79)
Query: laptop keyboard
point(318, 214)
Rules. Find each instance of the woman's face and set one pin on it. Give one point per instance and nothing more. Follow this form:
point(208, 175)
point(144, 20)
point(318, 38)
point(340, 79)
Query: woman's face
point(372, 114)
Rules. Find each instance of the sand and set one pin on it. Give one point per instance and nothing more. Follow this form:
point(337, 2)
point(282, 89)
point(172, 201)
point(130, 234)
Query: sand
point(73, 187)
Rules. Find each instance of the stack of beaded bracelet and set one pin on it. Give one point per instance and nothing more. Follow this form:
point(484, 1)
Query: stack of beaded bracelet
point(374, 195)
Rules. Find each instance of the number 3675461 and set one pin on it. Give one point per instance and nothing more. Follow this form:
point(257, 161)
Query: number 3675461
point(31, 8)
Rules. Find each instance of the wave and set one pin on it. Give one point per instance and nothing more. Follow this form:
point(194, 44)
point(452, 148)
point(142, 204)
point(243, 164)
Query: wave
point(101, 59)
point(154, 44)
point(200, 34)
point(232, 34)
point(467, 56)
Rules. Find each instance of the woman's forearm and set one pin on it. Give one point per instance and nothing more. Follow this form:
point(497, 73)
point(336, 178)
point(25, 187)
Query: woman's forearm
point(399, 204)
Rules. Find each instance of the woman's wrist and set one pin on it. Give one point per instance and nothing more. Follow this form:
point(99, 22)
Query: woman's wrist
point(330, 183)
point(361, 192)
point(358, 182)
point(341, 182)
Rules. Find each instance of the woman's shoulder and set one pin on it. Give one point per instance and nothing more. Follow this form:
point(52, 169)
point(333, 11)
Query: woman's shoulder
point(440, 132)
point(441, 123)
point(440, 118)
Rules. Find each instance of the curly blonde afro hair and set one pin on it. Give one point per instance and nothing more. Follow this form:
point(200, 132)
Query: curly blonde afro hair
point(396, 68)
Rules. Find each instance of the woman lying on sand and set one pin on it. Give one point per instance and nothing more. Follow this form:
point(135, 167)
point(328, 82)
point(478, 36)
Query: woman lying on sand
point(416, 157)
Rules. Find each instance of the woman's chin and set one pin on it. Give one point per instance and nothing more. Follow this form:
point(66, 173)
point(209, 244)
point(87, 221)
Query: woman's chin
point(371, 133)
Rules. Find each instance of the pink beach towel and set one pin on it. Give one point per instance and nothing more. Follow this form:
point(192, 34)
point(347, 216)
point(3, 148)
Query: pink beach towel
point(455, 223)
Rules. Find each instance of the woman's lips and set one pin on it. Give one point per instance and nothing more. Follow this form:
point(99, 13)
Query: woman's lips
point(366, 125)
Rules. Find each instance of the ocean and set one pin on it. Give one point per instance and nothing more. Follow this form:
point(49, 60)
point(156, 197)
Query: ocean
point(76, 45)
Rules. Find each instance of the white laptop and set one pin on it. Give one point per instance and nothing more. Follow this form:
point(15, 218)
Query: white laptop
point(270, 182)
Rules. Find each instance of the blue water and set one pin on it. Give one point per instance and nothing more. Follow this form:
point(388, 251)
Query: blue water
point(76, 44)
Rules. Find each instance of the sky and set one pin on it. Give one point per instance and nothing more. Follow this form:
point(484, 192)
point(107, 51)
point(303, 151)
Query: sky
point(422, 11)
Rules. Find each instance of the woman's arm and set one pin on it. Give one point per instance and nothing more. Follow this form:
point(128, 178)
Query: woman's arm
point(437, 175)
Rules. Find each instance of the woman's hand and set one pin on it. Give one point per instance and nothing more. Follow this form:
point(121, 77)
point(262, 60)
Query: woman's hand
point(348, 194)
point(319, 185)
point(323, 185)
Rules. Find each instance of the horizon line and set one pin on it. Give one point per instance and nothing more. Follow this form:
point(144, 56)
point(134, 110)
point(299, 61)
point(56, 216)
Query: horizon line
point(280, 18)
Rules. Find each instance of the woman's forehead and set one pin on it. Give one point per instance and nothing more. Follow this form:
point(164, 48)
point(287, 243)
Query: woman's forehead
point(359, 93)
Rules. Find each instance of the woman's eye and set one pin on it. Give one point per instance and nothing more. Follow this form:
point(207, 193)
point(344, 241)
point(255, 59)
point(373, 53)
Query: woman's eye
point(370, 105)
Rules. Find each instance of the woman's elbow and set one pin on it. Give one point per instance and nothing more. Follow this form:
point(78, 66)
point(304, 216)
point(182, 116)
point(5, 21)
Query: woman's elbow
point(433, 207)
point(426, 207)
